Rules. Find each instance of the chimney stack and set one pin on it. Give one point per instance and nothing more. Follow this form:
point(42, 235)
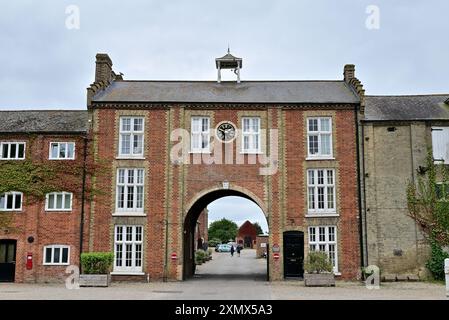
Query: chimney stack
point(103, 69)
point(349, 72)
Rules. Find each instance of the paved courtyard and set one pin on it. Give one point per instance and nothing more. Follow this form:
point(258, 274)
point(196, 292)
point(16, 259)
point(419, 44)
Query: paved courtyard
point(227, 278)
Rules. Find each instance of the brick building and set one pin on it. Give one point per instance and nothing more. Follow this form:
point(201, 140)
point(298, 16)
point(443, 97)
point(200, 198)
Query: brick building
point(316, 156)
point(246, 235)
point(289, 146)
point(398, 132)
point(45, 233)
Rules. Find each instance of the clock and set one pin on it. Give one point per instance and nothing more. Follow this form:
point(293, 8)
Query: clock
point(225, 131)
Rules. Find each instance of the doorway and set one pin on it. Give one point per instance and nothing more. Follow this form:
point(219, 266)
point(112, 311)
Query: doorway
point(7, 260)
point(293, 254)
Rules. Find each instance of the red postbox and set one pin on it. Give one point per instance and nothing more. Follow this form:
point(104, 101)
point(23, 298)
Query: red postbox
point(29, 261)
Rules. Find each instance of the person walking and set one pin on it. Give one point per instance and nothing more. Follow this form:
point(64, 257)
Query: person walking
point(232, 251)
point(238, 250)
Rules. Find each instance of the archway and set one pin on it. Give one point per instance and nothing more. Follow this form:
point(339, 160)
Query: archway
point(196, 207)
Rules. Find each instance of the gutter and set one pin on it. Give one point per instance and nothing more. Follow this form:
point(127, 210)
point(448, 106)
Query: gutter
point(359, 188)
point(83, 199)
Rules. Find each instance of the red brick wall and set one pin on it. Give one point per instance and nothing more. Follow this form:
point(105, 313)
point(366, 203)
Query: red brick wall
point(47, 228)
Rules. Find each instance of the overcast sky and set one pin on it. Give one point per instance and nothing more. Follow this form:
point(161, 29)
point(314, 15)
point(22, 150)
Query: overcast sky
point(238, 210)
point(45, 65)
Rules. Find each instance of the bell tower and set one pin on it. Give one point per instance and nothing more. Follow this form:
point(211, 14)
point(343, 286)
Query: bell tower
point(228, 61)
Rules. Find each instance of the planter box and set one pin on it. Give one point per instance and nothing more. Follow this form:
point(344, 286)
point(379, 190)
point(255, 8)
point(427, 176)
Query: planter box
point(95, 280)
point(319, 279)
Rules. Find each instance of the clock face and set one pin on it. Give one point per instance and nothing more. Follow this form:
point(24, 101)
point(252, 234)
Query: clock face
point(226, 132)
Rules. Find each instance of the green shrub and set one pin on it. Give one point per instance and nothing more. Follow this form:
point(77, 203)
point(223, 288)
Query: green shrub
point(200, 256)
point(318, 262)
point(97, 262)
point(435, 264)
point(213, 242)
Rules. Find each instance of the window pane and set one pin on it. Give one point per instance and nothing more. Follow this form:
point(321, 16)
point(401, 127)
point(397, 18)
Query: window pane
point(59, 201)
point(325, 144)
point(311, 198)
point(130, 200)
point(118, 255)
point(138, 144)
point(313, 144)
point(196, 125)
point(139, 233)
point(205, 141)
point(320, 177)
point(21, 154)
point(65, 255)
point(131, 176)
point(320, 198)
point(312, 235)
point(255, 124)
point(51, 201)
point(246, 142)
point(138, 255)
point(70, 150)
point(205, 125)
point(48, 255)
point(9, 201)
point(138, 124)
point(322, 234)
point(54, 150)
point(140, 176)
point(2, 201)
point(196, 137)
point(18, 201)
point(121, 197)
point(62, 150)
point(139, 200)
point(331, 233)
point(311, 176)
point(126, 144)
point(56, 255)
point(246, 125)
point(330, 197)
point(128, 261)
point(313, 124)
point(325, 124)
point(5, 148)
point(13, 150)
point(67, 201)
point(129, 233)
point(119, 233)
point(330, 177)
point(126, 124)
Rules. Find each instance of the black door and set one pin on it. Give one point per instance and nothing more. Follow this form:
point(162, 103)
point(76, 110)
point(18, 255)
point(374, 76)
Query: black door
point(293, 254)
point(7, 260)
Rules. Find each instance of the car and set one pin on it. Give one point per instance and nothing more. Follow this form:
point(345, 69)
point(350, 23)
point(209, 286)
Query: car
point(224, 248)
point(216, 247)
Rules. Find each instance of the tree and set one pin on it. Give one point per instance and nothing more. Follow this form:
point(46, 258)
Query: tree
point(223, 229)
point(428, 204)
point(258, 228)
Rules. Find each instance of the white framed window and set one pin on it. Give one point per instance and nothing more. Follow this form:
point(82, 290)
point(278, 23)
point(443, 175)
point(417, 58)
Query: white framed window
point(57, 255)
point(130, 185)
point(11, 201)
point(62, 151)
point(58, 201)
point(319, 137)
point(128, 248)
point(321, 191)
point(440, 144)
point(250, 135)
point(131, 136)
point(324, 239)
point(12, 150)
point(200, 134)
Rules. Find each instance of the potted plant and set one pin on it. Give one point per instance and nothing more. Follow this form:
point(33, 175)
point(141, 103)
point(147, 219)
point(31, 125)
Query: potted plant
point(96, 268)
point(318, 270)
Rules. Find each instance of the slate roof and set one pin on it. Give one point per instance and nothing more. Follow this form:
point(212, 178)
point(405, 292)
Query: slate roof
point(44, 121)
point(407, 108)
point(274, 92)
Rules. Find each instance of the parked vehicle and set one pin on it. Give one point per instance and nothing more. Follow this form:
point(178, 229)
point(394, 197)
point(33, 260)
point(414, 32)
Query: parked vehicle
point(216, 247)
point(224, 248)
